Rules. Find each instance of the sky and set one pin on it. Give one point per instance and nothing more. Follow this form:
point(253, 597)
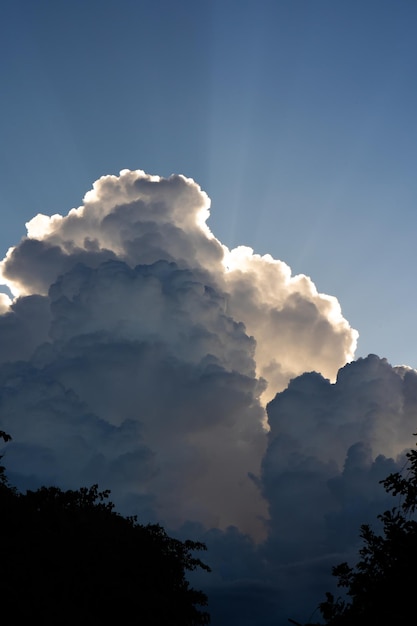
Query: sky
point(207, 207)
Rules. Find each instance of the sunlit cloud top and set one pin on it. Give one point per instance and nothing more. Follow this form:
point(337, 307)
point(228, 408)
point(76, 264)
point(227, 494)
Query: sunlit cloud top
point(141, 219)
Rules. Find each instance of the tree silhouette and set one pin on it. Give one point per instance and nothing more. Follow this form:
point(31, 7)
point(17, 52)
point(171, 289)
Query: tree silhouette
point(380, 588)
point(5, 436)
point(68, 558)
point(3, 480)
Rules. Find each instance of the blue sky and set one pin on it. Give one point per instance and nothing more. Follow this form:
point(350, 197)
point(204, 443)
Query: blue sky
point(297, 118)
point(144, 354)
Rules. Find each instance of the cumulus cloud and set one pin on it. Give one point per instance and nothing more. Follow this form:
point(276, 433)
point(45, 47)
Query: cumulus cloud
point(329, 447)
point(140, 352)
point(140, 220)
point(330, 444)
point(132, 306)
point(296, 328)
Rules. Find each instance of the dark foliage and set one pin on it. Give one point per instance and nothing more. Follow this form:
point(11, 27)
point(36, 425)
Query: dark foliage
point(68, 558)
point(380, 588)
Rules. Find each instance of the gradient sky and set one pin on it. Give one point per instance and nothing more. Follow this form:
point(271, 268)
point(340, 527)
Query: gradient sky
point(296, 117)
point(143, 351)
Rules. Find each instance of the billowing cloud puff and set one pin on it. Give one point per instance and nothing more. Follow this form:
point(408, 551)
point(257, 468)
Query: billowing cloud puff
point(329, 447)
point(140, 353)
point(135, 218)
point(130, 306)
point(129, 346)
point(296, 328)
point(140, 220)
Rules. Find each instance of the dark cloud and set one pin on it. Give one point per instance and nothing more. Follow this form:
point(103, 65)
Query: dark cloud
point(24, 325)
point(149, 345)
point(140, 355)
point(329, 447)
point(35, 265)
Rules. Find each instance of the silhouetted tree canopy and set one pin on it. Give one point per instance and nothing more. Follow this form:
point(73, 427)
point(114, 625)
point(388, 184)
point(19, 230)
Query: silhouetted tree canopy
point(68, 558)
point(380, 588)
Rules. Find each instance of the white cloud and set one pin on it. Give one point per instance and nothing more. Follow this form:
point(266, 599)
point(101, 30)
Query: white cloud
point(138, 312)
point(142, 219)
point(5, 303)
point(141, 354)
point(296, 328)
